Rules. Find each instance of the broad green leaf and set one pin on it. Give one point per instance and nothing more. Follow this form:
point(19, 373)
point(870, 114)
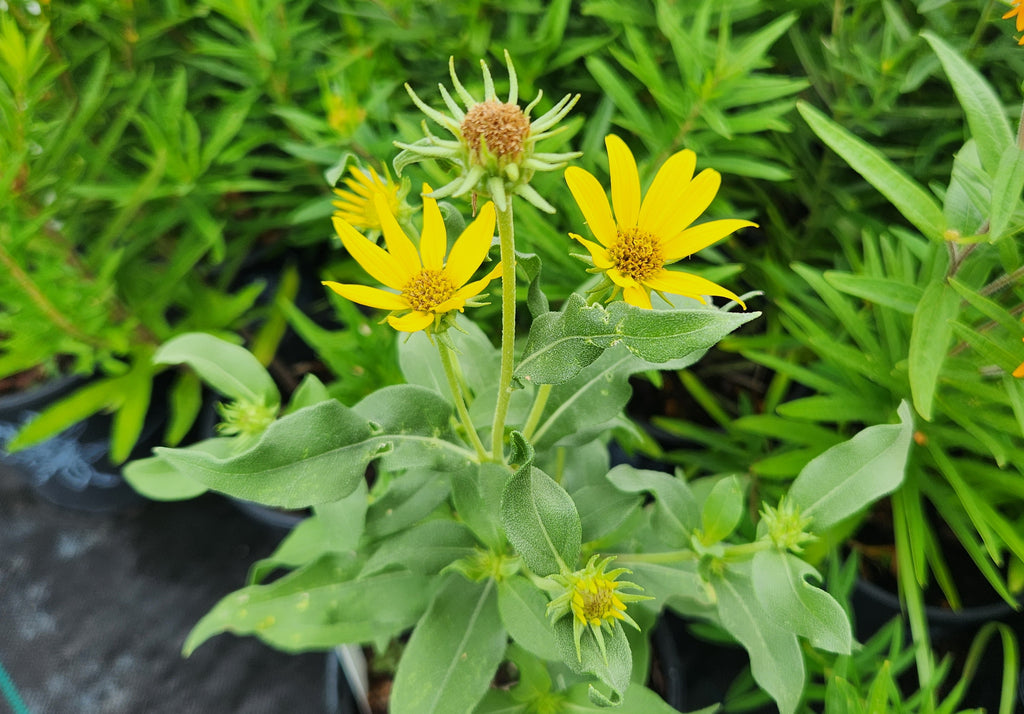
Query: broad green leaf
point(637, 699)
point(780, 581)
point(561, 344)
point(476, 496)
point(540, 518)
point(722, 511)
point(985, 114)
point(158, 480)
point(450, 660)
point(854, 474)
point(613, 671)
point(318, 606)
point(315, 455)
point(309, 392)
point(536, 300)
point(929, 341)
point(523, 611)
point(409, 499)
point(426, 548)
point(228, 368)
point(603, 508)
point(775, 657)
point(917, 205)
point(1006, 192)
point(676, 508)
point(333, 528)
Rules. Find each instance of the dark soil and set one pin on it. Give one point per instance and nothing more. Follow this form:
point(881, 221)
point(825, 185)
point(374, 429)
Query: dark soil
point(95, 610)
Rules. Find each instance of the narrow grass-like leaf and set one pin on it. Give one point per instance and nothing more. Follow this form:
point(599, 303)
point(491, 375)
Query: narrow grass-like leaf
point(930, 334)
point(918, 206)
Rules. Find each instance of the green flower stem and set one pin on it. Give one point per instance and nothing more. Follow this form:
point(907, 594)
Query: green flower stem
point(539, 402)
point(672, 556)
point(506, 237)
point(745, 550)
point(460, 403)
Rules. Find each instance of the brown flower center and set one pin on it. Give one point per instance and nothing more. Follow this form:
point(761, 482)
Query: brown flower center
point(637, 254)
point(428, 289)
point(503, 127)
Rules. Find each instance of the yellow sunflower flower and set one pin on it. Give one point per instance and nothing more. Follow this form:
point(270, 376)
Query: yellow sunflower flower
point(357, 206)
point(1017, 11)
point(1019, 372)
point(636, 244)
point(595, 600)
point(429, 287)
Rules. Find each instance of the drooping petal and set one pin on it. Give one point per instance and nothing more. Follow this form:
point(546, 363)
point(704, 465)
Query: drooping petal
point(625, 182)
point(397, 241)
point(460, 296)
point(692, 202)
point(413, 322)
point(661, 202)
point(620, 278)
point(380, 264)
point(636, 295)
point(597, 253)
point(593, 202)
point(434, 240)
point(371, 297)
point(471, 247)
point(678, 283)
point(698, 237)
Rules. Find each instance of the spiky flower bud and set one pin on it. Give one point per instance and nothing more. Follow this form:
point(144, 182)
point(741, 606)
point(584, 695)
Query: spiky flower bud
point(494, 149)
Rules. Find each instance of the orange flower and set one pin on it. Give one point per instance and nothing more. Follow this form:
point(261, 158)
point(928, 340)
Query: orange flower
point(1017, 11)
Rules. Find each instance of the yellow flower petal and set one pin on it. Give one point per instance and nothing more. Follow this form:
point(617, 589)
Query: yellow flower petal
point(471, 247)
point(597, 253)
point(636, 295)
point(399, 245)
point(460, 296)
point(661, 203)
point(620, 278)
point(1019, 372)
point(413, 322)
point(593, 203)
point(381, 265)
point(371, 297)
point(625, 182)
point(677, 283)
point(699, 237)
point(434, 240)
point(692, 202)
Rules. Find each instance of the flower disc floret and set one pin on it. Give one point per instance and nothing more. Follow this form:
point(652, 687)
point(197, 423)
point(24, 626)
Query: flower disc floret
point(595, 599)
point(428, 288)
point(642, 237)
point(494, 148)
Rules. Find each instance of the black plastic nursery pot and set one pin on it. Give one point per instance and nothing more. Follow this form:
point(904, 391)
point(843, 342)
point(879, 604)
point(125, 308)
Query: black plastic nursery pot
point(71, 469)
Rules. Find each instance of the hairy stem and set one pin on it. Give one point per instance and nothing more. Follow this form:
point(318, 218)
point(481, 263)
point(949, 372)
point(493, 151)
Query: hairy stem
point(539, 402)
point(460, 403)
point(506, 237)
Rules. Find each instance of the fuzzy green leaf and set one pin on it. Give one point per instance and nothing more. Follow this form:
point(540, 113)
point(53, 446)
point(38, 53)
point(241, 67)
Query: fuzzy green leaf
point(317, 607)
point(523, 611)
point(780, 581)
point(561, 344)
point(775, 657)
point(228, 368)
point(722, 510)
point(425, 548)
point(540, 518)
point(676, 509)
point(854, 474)
point(450, 660)
point(613, 672)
